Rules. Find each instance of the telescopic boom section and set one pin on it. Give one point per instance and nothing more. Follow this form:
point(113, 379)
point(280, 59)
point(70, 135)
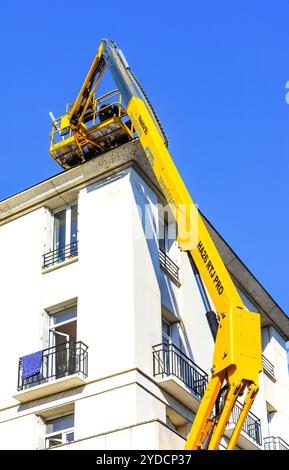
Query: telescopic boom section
point(237, 355)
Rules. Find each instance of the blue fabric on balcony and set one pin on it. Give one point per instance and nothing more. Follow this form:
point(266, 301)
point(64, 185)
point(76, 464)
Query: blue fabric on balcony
point(31, 364)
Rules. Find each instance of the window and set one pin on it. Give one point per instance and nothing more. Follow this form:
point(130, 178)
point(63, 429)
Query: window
point(174, 359)
point(62, 354)
point(167, 233)
point(61, 233)
point(271, 412)
point(59, 430)
point(168, 252)
point(270, 415)
point(163, 236)
point(62, 338)
point(63, 326)
point(65, 231)
point(167, 341)
point(166, 332)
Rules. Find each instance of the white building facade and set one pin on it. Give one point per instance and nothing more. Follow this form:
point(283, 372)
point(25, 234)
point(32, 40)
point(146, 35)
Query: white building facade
point(111, 347)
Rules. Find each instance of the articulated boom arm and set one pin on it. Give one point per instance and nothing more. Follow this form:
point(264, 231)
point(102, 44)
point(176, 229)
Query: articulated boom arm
point(88, 88)
point(237, 355)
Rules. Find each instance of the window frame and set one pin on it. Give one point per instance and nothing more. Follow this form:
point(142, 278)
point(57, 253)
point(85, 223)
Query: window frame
point(163, 235)
point(68, 209)
point(53, 326)
point(167, 232)
point(63, 432)
point(168, 338)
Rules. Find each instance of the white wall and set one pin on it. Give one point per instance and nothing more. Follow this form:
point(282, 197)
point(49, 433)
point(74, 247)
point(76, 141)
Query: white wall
point(277, 393)
point(146, 272)
point(105, 302)
point(114, 409)
point(21, 433)
point(148, 436)
point(20, 300)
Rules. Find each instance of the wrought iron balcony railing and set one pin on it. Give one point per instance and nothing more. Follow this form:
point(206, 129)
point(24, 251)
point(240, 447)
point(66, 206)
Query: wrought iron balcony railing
point(268, 367)
point(252, 425)
point(60, 254)
point(168, 265)
point(275, 443)
point(168, 360)
point(57, 362)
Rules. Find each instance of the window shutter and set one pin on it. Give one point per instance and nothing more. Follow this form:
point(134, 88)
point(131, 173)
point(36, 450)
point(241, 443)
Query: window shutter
point(48, 231)
point(44, 327)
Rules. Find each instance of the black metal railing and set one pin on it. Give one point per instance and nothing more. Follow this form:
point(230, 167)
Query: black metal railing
point(168, 265)
point(275, 443)
point(169, 360)
point(268, 366)
point(57, 362)
point(252, 425)
point(60, 254)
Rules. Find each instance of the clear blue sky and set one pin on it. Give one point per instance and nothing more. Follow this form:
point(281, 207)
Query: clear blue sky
point(215, 72)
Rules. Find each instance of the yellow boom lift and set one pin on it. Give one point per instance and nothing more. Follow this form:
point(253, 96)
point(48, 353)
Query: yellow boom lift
point(92, 126)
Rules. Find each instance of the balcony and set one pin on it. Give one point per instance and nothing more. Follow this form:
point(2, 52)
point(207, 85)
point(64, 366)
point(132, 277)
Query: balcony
point(169, 267)
point(251, 437)
point(60, 255)
point(268, 368)
point(179, 375)
point(63, 367)
point(275, 443)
